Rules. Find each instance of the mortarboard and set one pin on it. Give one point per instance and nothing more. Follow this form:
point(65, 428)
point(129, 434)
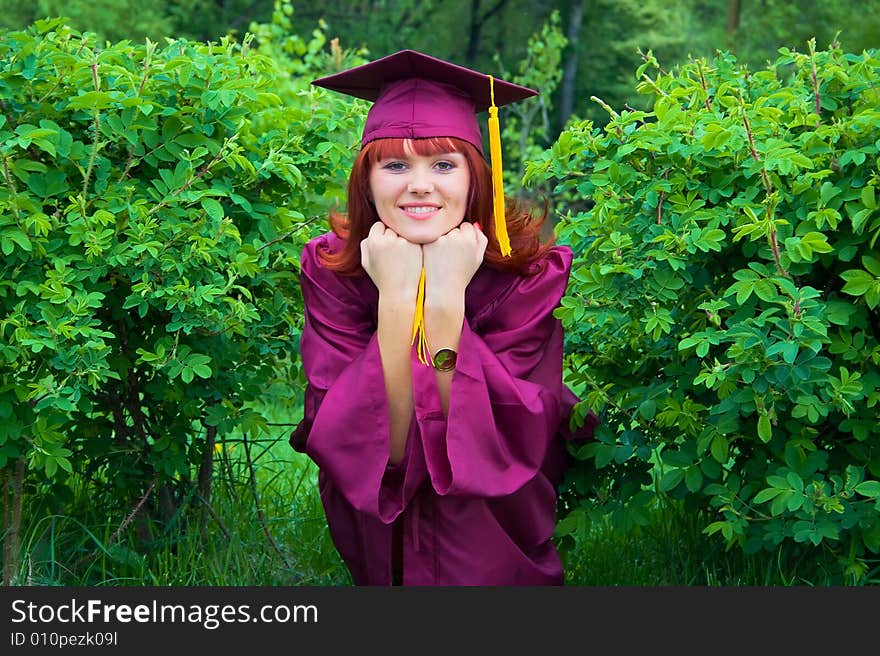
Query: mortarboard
point(418, 96)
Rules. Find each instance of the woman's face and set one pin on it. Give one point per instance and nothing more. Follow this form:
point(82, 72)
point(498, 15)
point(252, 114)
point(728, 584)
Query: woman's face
point(421, 197)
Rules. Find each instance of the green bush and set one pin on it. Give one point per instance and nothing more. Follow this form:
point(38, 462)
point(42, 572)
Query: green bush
point(153, 204)
point(722, 315)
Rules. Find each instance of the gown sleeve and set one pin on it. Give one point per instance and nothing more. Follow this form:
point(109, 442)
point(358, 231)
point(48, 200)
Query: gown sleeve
point(507, 398)
point(346, 427)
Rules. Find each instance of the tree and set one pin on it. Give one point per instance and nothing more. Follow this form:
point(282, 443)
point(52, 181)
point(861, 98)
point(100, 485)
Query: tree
point(723, 315)
point(575, 19)
point(478, 19)
point(153, 205)
point(110, 19)
point(733, 12)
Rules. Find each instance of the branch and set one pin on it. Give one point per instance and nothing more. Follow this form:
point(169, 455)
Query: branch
point(252, 480)
point(215, 516)
point(494, 10)
point(11, 184)
point(133, 512)
point(96, 146)
point(197, 176)
point(288, 233)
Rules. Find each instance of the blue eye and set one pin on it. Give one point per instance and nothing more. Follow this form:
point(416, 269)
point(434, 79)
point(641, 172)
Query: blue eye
point(394, 166)
point(445, 166)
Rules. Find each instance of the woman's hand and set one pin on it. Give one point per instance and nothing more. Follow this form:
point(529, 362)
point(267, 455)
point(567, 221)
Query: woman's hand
point(393, 263)
point(451, 262)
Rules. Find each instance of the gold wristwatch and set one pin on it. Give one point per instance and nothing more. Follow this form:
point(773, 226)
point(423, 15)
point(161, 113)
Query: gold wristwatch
point(444, 359)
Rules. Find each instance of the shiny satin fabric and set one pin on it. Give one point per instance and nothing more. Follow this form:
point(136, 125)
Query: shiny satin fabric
point(474, 498)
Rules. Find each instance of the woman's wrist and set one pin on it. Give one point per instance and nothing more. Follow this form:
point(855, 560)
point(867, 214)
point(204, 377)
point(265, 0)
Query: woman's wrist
point(399, 298)
point(445, 297)
point(443, 325)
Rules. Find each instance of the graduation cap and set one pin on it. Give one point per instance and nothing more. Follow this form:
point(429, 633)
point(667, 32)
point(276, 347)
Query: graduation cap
point(416, 96)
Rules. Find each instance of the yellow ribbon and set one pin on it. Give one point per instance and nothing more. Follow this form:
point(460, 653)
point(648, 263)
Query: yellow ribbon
point(419, 325)
point(497, 183)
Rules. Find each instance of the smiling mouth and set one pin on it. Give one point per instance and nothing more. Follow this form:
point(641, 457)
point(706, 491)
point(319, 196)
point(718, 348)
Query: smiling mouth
point(420, 211)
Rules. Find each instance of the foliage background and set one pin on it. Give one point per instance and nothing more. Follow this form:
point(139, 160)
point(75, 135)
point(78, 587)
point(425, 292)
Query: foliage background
point(723, 309)
point(604, 36)
point(104, 194)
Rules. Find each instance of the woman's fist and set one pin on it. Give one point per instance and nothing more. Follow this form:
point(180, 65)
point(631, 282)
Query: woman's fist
point(393, 264)
point(452, 260)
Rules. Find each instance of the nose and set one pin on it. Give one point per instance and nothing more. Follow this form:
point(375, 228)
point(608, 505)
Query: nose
point(420, 182)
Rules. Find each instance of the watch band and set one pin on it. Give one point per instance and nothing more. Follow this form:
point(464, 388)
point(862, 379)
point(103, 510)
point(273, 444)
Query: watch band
point(445, 359)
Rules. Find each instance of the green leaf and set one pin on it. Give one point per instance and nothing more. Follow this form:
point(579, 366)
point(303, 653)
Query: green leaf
point(838, 312)
point(648, 409)
point(827, 192)
point(780, 502)
point(17, 236)
point(671, 479)
point(213, 208)
point(52, 183)
point(872, 265)
point(720, 449)
point(859, 218)
point(872, 296)
point(743, 289)
point(778, 481)
point(766, 494)
point(202, 370)
point(869, 489)
point(693, 478)
point(858, 282)
point(91, 100)
point(765, 430)
point(871, 536)
point(715, 136)
point(816, 241)
point(765, 290)
point(604, 455)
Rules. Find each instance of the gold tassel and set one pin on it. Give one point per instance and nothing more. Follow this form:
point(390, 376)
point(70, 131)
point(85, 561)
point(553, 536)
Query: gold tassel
point(419, 325)
point(497, 183)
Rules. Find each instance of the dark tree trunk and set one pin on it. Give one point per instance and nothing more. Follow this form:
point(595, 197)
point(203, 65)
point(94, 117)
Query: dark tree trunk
point(13, 498)
point(734, 8)
point(473, 33)
point(476, 27)
point(569, 73)
point(206, 475)
point(247, 15)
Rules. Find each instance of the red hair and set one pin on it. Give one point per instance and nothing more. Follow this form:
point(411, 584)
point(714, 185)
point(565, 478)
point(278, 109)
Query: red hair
point(523, 228)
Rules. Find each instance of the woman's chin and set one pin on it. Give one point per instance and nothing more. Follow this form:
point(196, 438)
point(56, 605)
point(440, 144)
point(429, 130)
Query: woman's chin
point(420, 237)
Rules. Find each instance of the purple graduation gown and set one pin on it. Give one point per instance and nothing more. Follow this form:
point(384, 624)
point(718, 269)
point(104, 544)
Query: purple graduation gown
point(473, 502)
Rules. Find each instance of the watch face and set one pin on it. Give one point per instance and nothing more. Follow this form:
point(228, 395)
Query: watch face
point(444, 359)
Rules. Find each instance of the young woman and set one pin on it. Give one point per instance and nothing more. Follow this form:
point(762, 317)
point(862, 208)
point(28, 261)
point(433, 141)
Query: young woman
point(435, 408)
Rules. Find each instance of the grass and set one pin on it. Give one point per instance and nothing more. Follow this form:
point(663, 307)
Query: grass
point(285, 541)
point(672, 550)
point(662, 553)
